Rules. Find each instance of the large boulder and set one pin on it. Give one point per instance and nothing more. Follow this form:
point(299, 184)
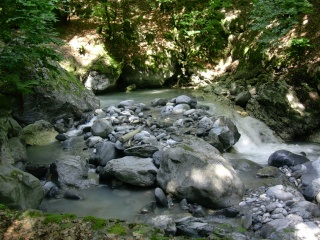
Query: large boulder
point(283, 157)
point(133, 170)
point(62, 97)
point(19, 189)
point(39, 133)
point(195, 170)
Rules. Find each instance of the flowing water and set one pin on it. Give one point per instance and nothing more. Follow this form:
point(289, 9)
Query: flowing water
point(257, 143)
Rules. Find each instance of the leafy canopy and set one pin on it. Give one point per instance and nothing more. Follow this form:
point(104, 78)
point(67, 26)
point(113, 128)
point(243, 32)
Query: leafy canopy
point(26, 40)
point(275, 18)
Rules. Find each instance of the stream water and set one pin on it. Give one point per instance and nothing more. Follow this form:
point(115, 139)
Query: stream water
point(257, 143)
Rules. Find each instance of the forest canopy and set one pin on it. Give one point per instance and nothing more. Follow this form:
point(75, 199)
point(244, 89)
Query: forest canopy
point(196, 30)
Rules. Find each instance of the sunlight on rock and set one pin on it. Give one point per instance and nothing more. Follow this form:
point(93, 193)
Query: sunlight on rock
point(295, 103)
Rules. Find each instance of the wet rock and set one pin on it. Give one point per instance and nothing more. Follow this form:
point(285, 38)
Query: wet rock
point(283, 157)
point(268, 172)
point(224, 134)
point(161, 198)
point(51, 190)
point(62, 137)
point(73, 195)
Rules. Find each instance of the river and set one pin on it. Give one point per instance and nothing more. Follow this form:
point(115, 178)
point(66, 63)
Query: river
point(257, 143)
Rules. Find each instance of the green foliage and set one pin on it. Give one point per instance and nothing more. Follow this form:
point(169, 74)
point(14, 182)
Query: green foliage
point(97, 223)
point(3, 207)
point(274, 18)
point(198, 30)
point(57, 218)
point(118, 229)
point(298, 46)
point(26, 41)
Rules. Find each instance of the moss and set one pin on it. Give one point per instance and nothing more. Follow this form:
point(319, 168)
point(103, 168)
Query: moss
point(57, 218)
point(118, 229)
point(187, 148)
point(3, 207)
point(97, 223)
point(33, 213)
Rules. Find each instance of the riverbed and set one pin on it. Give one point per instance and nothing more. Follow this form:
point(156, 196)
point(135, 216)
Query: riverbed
point(257, 143)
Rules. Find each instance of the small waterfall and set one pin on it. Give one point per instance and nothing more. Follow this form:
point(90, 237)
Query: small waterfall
point(258, 142)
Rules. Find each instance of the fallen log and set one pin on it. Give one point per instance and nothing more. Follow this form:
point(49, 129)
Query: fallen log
point(130, 135)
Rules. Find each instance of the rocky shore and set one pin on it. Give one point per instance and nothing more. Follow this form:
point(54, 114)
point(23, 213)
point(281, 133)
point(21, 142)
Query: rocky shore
point(174, 146)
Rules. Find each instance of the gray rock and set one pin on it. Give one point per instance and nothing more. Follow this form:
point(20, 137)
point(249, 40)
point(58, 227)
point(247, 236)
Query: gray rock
point(157, 157)
point(143, 151)
point(19, 189)
point(105, 152)
point(133, 170)
point(193, 227)
point(164, 222)
point(166, 110)
point(93, 140)
point(180, 108)
point(126, 103)
point(224, 134)
point(51, 190)
point(161, 198)
point(205, 123)
point(69, 171)
point(17, 149)
point(196, 171)
point(279, 192)
point(101, 127)
point(312, 190)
